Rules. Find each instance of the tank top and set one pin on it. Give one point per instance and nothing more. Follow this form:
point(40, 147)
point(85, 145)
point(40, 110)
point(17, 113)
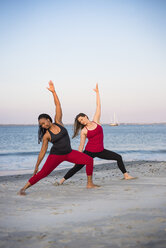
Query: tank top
point(60, 141)
point(95, 139)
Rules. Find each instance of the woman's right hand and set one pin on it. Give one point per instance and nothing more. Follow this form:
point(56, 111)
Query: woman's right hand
point(35, 171)
point(51, 86)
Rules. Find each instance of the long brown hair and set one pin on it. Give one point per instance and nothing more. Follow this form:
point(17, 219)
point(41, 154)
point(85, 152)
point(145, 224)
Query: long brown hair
point(77, 125)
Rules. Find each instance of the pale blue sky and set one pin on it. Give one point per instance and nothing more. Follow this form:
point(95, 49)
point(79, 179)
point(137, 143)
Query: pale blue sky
point(120, 44)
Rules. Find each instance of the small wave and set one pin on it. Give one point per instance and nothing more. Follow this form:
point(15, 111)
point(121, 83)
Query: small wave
point(19, 154)
point(160, 151)
point(142, 151)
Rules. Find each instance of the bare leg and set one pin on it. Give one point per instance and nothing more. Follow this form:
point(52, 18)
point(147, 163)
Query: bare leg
point(22, 191)
point(81, 158)
point(90, 183)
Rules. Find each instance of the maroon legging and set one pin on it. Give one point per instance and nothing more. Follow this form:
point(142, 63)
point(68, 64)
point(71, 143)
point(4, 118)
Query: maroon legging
point(54, 160)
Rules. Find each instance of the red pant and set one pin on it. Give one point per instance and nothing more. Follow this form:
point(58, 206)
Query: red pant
point(54, 160)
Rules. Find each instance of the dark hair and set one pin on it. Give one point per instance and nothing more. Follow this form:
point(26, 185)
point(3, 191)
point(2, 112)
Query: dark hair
point(78, 125)
point(41, 130)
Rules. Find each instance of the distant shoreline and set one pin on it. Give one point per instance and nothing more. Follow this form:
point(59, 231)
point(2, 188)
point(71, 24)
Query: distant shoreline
point(152, 123)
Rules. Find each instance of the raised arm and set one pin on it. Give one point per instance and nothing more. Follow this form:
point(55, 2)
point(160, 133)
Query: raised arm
point(58, 114)
point(96, 117)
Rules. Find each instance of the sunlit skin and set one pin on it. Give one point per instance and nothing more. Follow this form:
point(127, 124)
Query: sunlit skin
point(84, 120)
point(45, 123)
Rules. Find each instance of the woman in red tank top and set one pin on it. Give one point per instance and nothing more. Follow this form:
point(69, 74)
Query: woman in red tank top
point(92, 130)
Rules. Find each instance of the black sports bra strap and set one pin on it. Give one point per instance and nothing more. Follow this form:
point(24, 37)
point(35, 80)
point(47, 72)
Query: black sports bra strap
point(57, 124)
point(49, 131)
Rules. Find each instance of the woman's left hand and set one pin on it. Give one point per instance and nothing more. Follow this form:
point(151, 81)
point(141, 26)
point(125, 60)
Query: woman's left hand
point(51, 86)
point(96, 89)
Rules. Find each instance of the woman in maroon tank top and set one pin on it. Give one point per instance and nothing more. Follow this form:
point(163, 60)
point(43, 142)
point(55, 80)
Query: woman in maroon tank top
point(92, 130)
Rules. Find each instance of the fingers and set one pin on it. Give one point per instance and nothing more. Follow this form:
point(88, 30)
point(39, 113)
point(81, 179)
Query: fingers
point(96, 89)
point(35, 172)
point(51, 86)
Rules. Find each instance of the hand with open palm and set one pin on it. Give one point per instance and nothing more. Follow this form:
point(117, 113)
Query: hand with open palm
point(51, 86)
point(96, 89)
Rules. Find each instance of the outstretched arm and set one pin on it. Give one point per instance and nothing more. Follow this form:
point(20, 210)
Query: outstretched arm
point(42, 153)
point(58, 114)
point(82, 140)
point(96, 117)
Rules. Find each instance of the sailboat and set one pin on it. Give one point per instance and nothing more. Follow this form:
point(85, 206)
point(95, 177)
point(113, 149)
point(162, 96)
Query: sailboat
point(115, 122)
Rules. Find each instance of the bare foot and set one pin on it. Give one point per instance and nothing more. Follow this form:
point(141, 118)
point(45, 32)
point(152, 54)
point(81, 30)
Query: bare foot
point(130, 177)
point(61, 181)
point(22, 192)
point(56, 184)
point(91, 185)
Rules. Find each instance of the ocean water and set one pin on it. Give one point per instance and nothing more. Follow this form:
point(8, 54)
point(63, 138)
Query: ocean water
point(19, 146)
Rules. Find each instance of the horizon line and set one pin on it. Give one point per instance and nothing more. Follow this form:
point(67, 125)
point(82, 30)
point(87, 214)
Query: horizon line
point(104, 123)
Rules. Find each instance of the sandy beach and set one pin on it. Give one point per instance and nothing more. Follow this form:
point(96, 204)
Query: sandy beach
point(121, 213)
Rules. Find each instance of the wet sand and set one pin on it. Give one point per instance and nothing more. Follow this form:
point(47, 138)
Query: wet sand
point(121, 213)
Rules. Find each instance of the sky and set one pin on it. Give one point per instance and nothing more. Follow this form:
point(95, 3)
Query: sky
point(121, 44)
